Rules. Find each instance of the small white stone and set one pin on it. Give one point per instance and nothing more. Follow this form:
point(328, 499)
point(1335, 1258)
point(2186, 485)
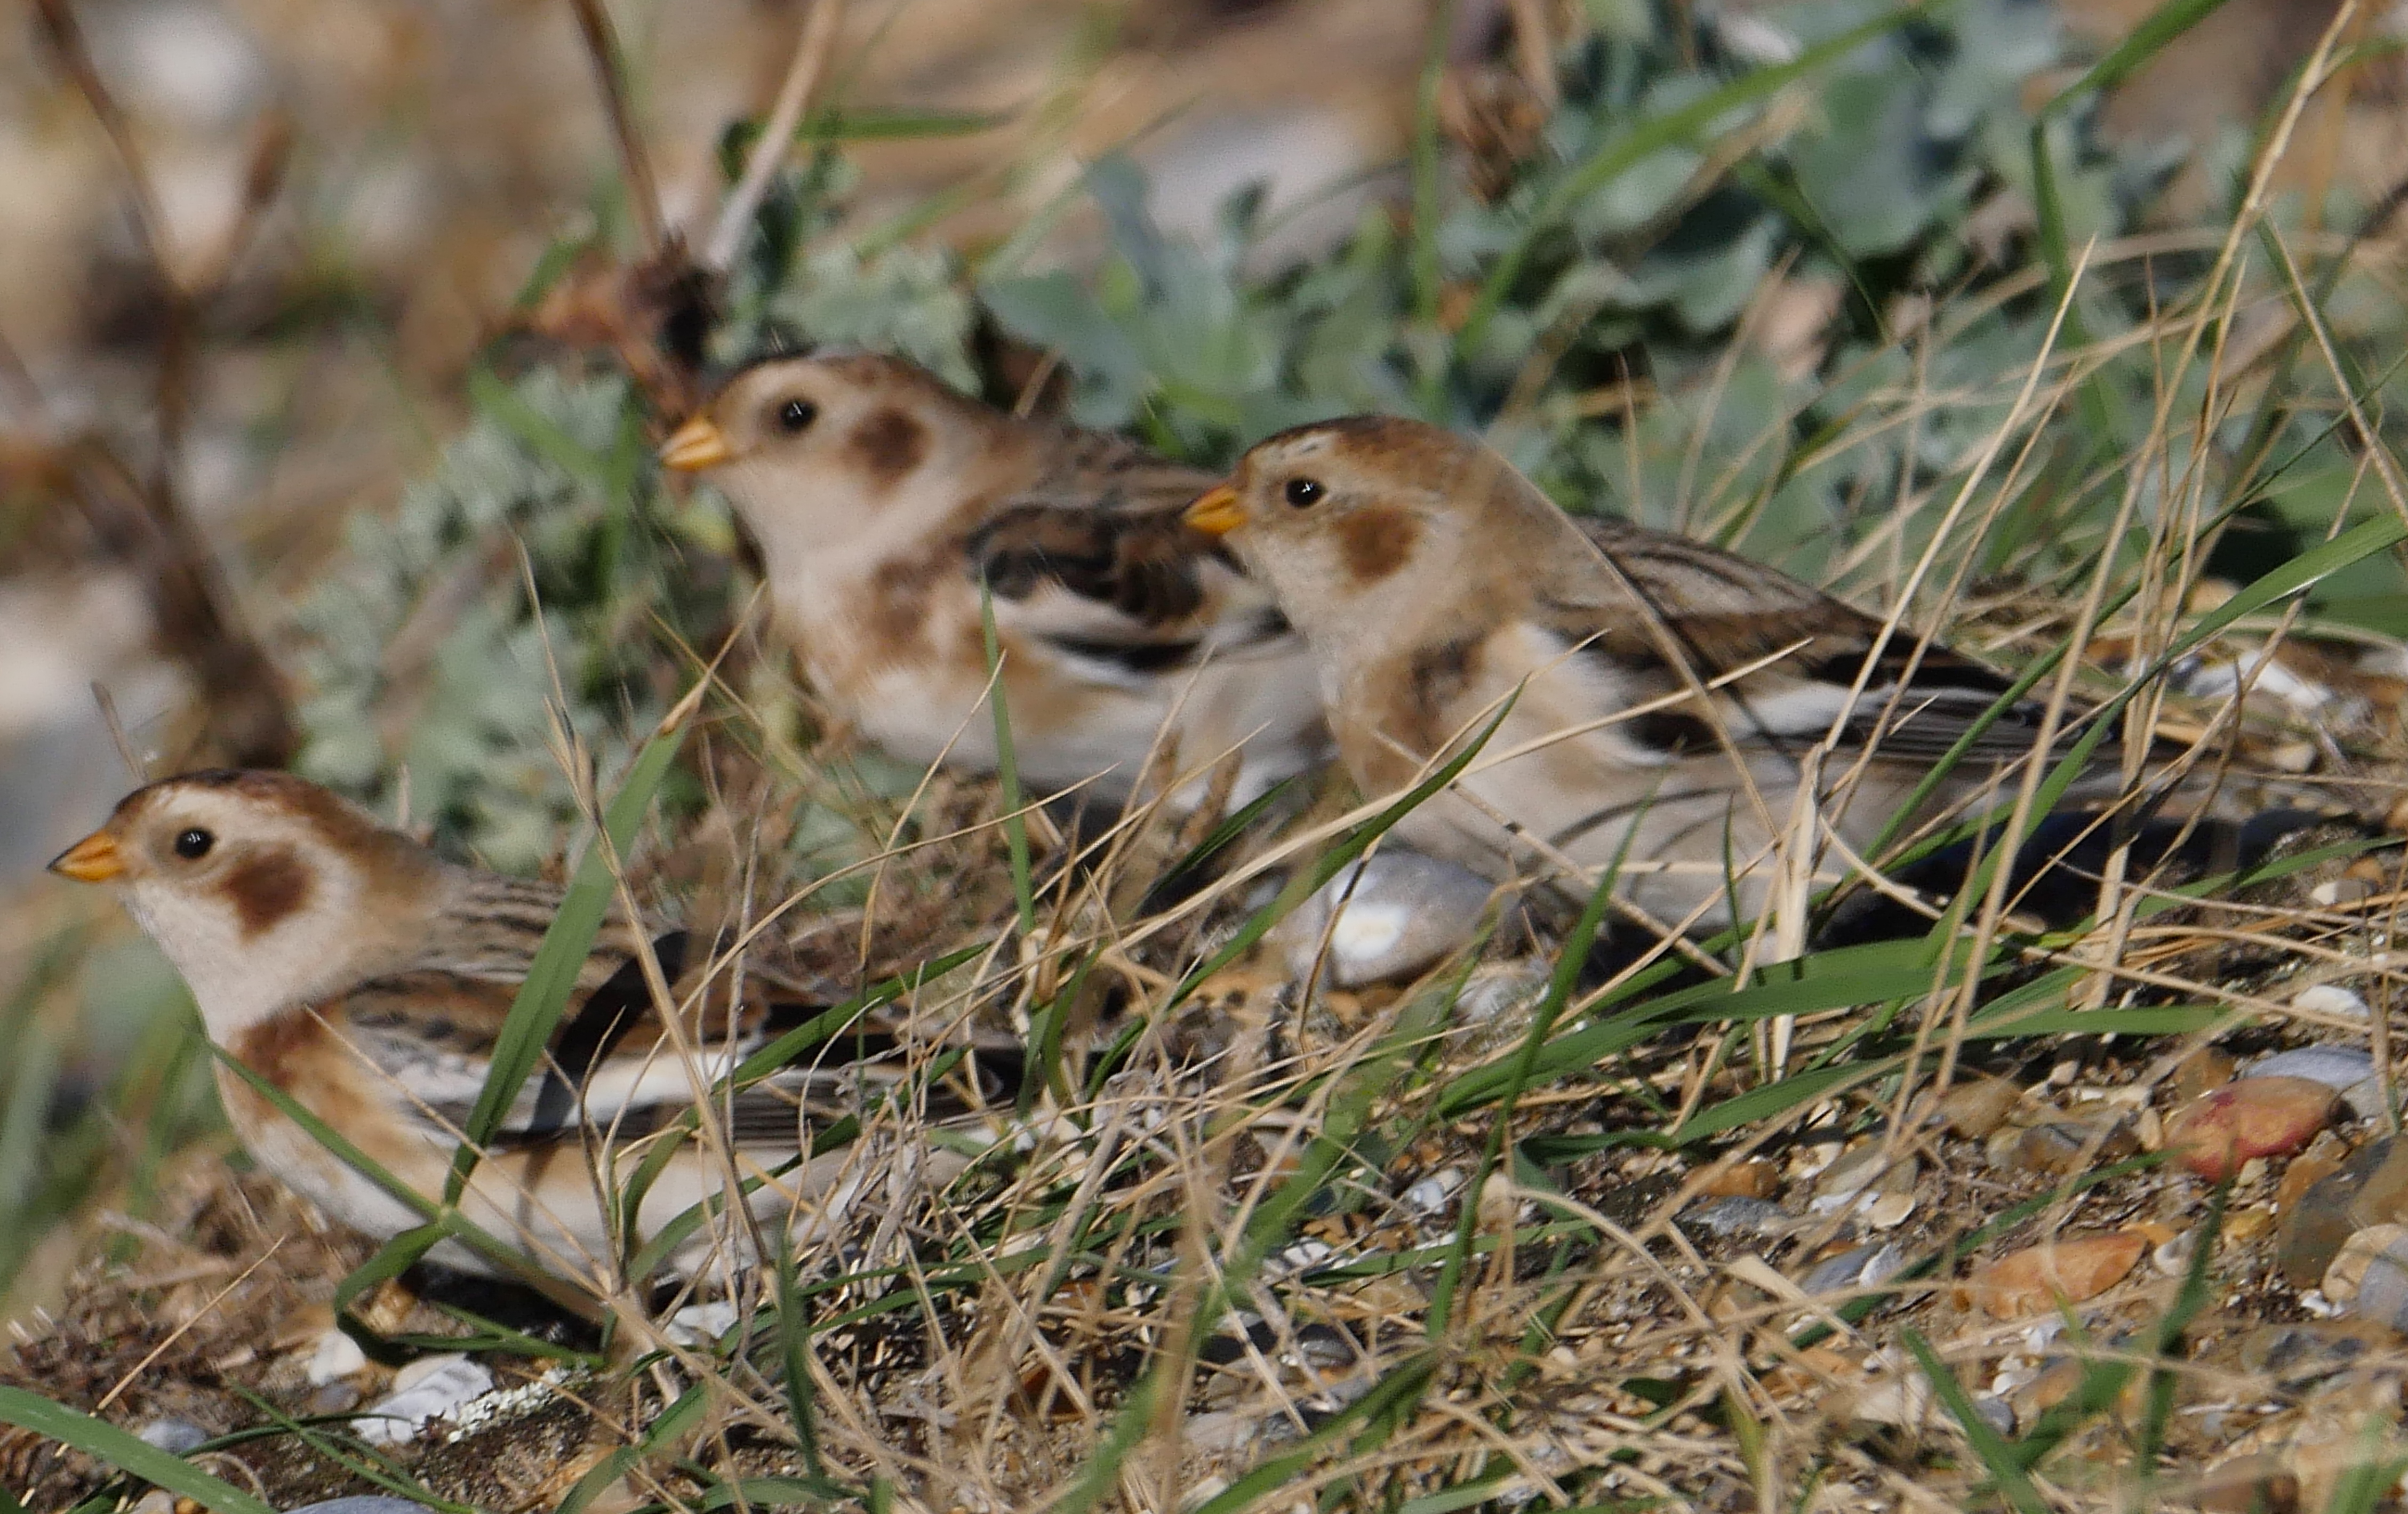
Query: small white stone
point(426, 1389)
point(336, 1356)
point(1395, 913)
point(1221, 1429)
point(2329, 999)
point(177, 1438)
point(1810, 1160)
point(1898, 1400)
point(2344, 1068)
point(1304, 1255)
point(1429, 1195)
point(701, 1325)
point(1889, 1211)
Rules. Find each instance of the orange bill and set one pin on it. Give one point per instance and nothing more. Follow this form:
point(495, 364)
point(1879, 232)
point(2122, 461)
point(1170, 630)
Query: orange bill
point(1216, 512)
point(96, 859)
point(698, 444)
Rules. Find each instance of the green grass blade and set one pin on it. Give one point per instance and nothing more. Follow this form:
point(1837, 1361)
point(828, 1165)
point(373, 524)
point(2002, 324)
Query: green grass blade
point(543, 999)
point(1560, 984)
point(124, 1451)
point(1007, 771)
point(671, 1423)
point(2120, 62)
point(2011, 1478)
point(1402, 1385)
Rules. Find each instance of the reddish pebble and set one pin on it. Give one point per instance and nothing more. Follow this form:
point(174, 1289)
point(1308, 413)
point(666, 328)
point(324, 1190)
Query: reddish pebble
point(2029, 1281)
point(2256, 1117)
point(1754, 1179)
point(1979, 1106)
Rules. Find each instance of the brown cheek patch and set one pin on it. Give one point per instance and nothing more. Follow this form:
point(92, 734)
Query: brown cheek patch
point(1374, 543)
point(266, 890)
point(890, 444)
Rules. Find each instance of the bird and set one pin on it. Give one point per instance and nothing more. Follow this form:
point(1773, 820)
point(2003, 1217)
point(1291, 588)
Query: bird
point(368, 977)
point(890, 510)
point(1658, 704)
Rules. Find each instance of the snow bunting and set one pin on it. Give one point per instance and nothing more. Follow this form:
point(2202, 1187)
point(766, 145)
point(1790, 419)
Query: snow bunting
point(367, 979)
point(1664, 697)
point(882, 500)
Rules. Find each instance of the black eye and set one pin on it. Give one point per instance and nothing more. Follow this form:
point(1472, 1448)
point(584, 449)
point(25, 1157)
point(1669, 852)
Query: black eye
point(1303, 491)
point(796, 416)
point(193, 844)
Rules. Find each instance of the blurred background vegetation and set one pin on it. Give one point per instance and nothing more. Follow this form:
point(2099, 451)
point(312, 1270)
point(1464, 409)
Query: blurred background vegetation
point(299, 391)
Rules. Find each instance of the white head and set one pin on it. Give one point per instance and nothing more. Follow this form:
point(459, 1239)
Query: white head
point(1377, 531)
point(264, 890)
point(825, 453)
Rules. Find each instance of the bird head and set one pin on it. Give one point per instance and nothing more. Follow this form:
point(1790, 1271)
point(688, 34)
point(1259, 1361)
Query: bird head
point(1368, 521)
point(261, 887)
point(812, 447)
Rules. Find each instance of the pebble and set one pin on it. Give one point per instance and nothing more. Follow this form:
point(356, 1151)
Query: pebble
point(2242, 1225)
point(2330, 999)
point(1889, 1211)
point(2345, 1069)
point(2061, 1147)
point(336, 1356)
point(1429, 1194)
point(2324, 1156)
point(1895, 1400)
point(1859, 1266)
point(1404, 912)
point(2334, 892)
point(2027, 1281)
point(177, 1438)
point(2254, 1483)
point(2053, 1382)
point(1979, 1106)
point(1810, 1158)
point(2369, 1188)
point(1997, 1413)
point(2292, 1355)
point(1859, 1170)
point(1752, 1178)
point(2203, 1069)
point(1738, 1215)
point(2371, 1275)
point(701, 1325)
point(427, 1389)
point(2255, 1116)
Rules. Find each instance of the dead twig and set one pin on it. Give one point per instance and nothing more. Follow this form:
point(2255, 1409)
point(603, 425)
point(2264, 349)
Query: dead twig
point(249, 713)
point(777, 135)
point(635, 164)
point(66, 36)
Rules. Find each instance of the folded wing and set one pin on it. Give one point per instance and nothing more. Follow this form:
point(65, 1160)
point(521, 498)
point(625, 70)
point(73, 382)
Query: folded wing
point(1653, 603)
